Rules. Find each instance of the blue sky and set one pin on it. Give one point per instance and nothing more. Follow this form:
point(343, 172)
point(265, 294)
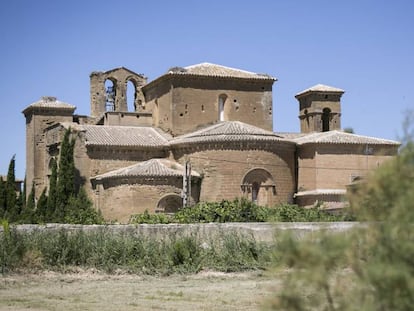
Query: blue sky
point(365, 47)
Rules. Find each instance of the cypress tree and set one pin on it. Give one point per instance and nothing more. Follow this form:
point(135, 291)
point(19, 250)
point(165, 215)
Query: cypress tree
point(65, 176)
point(11, 197)
point(23, 193)
point(42, 208)
point(27, 215)
point(81, 210)
point(51, 198)
point(2, 197)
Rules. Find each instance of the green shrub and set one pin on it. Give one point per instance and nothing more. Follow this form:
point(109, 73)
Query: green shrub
point(370, 268)
point(109, 251)
point(238, 210)
point(147, 218)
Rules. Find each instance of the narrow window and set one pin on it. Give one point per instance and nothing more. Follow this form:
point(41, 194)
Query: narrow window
point(110, 94)
point(131, 95)
point(325, 119)
point(222, 100)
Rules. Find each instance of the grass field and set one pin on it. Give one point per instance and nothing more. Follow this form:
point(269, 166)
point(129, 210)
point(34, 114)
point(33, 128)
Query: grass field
point(90, 290)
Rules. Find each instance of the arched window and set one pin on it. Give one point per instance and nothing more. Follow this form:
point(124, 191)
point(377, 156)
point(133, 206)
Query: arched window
point(131, 95)
point(169, 203)
point(110, 93)
point(326, 115)
point(221, 103)
point(258, 185)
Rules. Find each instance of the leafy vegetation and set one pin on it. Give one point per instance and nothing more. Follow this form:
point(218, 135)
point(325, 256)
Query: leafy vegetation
point(63, 203)
point(370, 268)
point(109, 251)
point(238, 210)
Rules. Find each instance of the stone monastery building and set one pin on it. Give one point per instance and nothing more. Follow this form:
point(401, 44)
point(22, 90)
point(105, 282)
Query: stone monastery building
point(199, 133)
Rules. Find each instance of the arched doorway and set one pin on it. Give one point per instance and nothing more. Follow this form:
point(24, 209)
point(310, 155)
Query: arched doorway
point(170, 203)
point(258, 185)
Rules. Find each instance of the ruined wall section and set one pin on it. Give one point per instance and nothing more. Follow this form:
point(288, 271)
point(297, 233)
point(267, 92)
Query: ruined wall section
point(119, 78)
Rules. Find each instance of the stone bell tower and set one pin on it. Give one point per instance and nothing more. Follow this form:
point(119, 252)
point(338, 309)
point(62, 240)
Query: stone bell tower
point(320, 109)
point(113, 98)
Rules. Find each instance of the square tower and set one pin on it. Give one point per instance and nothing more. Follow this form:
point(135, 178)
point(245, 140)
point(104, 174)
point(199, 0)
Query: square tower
point(320, 109)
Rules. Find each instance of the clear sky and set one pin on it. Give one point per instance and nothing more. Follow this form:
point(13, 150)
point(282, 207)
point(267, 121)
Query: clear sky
point(366, 47)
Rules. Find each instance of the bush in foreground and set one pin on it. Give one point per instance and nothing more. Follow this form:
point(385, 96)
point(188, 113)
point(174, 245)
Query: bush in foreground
point(108, 251)
point(238, 210)
point(371, 268)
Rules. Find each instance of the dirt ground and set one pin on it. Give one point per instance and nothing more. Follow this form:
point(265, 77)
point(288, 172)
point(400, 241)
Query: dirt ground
point(96, 291)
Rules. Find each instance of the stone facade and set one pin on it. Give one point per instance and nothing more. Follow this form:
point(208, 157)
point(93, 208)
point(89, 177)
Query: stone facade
point(202, 132)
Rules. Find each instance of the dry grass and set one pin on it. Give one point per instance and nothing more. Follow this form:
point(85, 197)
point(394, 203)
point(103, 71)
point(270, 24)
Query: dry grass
point(91, 290)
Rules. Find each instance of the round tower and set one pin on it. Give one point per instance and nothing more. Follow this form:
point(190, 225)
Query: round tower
point(320, 108)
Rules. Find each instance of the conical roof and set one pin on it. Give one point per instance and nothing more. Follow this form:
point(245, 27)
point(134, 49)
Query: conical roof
point(150, 168)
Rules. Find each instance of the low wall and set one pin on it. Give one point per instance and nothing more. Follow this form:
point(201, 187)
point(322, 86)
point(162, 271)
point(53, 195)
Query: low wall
point(264, 232)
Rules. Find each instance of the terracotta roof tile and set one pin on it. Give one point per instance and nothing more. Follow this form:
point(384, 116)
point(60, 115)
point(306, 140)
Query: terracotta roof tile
point(321, 192)
point(213, 70)
point(339, 137)
point(123, 136)
point(226, 132)
point(49, 102)
point(150, 168)
point(320, 88)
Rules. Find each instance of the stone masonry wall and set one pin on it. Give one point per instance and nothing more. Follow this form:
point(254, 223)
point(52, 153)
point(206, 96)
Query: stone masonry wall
point(223, 171)
point(334, 166)
point(120, 202)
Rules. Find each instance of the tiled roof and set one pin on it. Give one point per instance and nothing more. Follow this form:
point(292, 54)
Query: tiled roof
point(321, 192)
point(150, 168)
point(213, 70)
point(320, 88)
point(339, 137)
point(123, 136)
point(50, 102)
point(289, 135)
point(226, 132)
